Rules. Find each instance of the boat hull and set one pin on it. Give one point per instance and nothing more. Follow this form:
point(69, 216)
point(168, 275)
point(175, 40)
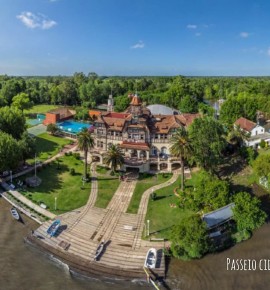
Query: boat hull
point(15, 213)
point(53, 228)
point(151, 258)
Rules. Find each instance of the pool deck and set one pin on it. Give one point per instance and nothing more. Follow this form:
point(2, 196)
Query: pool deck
point(82, 231)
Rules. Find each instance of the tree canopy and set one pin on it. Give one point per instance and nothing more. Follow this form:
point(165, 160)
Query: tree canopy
point(262, 165)
point(247, 212)
point(12, 121)
point(189, 239)
point(207, 141)
point(10, 153)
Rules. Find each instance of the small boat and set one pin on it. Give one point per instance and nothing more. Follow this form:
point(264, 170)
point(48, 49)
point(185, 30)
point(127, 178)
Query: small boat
point(15, 213)
point(53, 227)
point(151, 258)
point(99, 250)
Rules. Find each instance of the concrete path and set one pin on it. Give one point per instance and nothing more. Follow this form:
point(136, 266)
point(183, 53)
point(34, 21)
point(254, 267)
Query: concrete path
point(85, 228)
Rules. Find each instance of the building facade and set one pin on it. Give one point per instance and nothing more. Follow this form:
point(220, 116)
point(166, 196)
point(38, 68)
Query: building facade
point(143, 136)
point(255, 132)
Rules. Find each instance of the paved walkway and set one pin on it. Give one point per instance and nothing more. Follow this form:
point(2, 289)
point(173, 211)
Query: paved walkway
point(85, 228)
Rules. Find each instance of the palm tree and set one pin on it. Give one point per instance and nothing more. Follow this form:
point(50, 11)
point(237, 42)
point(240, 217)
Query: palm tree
point(85, 142)
point(181, 148)
point(114, 157)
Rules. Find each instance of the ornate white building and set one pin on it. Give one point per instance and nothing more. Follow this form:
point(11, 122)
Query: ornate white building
point(143, 135)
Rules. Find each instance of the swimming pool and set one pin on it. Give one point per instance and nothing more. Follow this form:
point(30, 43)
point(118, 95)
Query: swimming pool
point(72, 126)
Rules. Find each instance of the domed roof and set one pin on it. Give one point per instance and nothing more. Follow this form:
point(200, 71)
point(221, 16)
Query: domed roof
point(162, 110)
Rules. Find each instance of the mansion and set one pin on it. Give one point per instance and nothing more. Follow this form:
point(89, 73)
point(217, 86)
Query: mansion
point(142, 132)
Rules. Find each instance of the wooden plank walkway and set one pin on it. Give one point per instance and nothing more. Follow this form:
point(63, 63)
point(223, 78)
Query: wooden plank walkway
point(82, 230)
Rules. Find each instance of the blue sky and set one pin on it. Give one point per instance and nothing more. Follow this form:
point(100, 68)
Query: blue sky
point(135, 37)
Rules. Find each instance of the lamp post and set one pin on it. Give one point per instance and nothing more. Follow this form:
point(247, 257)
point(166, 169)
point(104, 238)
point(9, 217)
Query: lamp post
point(83, 180)
point(35, 165)
point(148, 222)
point(145, 229)
point(55, 200)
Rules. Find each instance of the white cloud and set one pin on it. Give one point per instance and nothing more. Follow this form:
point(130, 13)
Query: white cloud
point(31, 20)
point(192, 26)
point(268, 51)
point(198, 34)
point(139, 44)
point(244, 34)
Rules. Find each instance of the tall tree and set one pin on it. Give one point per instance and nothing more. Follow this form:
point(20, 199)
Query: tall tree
point(181, 147)
point(247, 212)
point(10, 153)
point(27, 145)
point(12, 121)
point(114, 157)
point(237, 136)
point(207, 141)
point(85, 143)
point(22, 101)
point(189, 238)
point(262, 165)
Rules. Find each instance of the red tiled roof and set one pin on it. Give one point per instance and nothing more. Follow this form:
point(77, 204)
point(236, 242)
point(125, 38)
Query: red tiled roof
point(245, 124)
point(186, 118)
point(135, 145)
point(117, 115)
point(136, 101)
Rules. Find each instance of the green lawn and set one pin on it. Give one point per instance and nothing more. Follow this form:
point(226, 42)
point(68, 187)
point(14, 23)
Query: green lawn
point(48, 146)
point(40, 109)
point(102, 170)
point(161, 214)
point(142, 185)
point(106, 189)
point(61, 184)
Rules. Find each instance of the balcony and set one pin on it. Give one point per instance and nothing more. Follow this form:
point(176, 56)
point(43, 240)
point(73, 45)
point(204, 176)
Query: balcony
point(133, 161)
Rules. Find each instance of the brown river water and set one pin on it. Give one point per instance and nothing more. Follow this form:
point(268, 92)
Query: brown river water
point(26, 268)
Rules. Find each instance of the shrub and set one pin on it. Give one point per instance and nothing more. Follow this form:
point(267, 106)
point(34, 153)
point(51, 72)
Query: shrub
point(72, 171)
point(153, 196)
point(262, 144)
point(76, 155)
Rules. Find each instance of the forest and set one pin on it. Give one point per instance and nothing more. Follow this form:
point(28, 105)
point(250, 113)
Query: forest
point(244, 95)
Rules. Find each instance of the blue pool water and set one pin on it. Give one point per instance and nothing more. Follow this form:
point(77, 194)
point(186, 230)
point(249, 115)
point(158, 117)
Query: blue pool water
point(72, 126)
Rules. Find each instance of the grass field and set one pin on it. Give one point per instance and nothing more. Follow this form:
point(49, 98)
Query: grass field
point(40, 109)
point(161, 214)
point(60, 184)
point(106, 189)
point(142, 185)
point(48, 146)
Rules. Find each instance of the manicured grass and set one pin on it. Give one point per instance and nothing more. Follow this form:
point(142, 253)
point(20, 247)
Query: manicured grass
point(61, 184)
point(102, 170)
point(161, 214)
point(48, 146)
point(39, 109)
point(142, 185)
point(106, 189)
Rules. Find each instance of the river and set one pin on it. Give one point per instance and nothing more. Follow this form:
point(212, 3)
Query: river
point(25, 268)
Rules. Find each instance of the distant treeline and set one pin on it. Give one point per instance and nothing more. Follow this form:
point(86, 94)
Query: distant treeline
point(184, 93)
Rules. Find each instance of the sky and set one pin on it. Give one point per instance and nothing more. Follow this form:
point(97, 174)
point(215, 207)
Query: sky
point(135, 37)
